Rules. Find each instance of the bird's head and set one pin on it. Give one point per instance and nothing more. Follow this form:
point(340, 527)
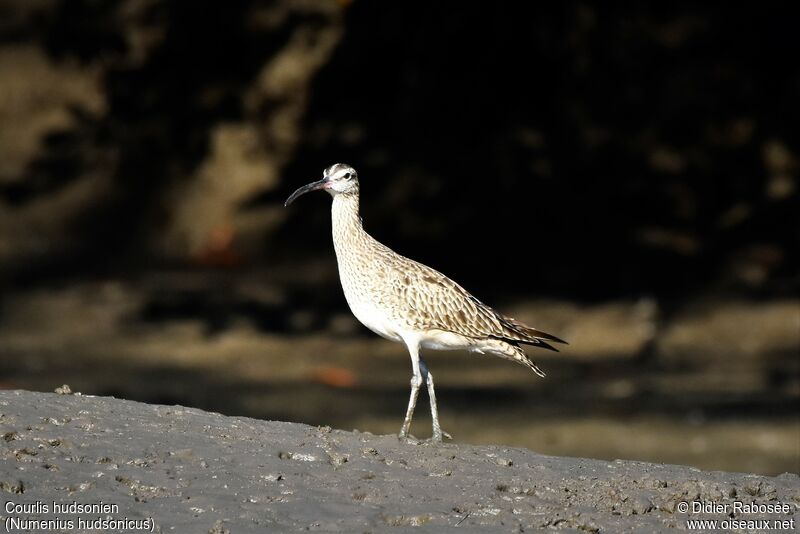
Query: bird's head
point(338, 179)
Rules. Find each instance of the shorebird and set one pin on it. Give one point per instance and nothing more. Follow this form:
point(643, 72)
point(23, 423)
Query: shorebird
point(406, 301)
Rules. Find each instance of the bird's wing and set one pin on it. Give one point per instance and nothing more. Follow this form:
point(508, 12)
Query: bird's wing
point(437, 302)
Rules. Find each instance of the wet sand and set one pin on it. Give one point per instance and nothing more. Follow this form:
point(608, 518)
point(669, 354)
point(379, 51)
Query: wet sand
point(192, 471)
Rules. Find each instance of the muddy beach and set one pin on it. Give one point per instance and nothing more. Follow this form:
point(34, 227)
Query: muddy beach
point(187, 470)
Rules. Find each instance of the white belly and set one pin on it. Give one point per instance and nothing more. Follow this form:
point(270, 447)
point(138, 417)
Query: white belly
point(376, 321)
point(371, 317)
point(440, 340)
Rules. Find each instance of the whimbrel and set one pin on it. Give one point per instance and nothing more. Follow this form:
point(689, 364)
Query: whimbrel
point(406, 301)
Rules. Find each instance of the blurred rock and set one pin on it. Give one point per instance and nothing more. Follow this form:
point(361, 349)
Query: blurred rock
point(40, 97)
point(617, 330)
point(127, 132)
point(782, 167)
point(44, 104)
point(246, 158)
point(731, 331)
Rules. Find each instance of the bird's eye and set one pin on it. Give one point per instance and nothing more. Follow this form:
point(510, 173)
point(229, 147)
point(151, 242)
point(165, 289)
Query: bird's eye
point(347, 176)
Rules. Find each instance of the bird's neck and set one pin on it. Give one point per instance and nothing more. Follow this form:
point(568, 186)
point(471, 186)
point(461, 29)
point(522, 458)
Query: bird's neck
point(345, 218)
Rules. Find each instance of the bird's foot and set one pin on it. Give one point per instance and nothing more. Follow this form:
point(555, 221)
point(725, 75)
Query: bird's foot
point(438, 435)
point(407, 438)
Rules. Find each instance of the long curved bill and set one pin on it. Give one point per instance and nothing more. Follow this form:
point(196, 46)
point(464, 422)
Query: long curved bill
point(305, 189)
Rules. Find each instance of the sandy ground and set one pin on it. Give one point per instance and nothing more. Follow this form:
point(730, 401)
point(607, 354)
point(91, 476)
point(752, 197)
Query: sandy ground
point(187, 470)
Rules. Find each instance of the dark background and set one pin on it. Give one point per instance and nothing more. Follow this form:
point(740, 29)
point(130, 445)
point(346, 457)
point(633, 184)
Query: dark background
point(624, 176)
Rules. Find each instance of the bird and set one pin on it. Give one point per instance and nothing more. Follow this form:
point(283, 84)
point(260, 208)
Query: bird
point(405, 301)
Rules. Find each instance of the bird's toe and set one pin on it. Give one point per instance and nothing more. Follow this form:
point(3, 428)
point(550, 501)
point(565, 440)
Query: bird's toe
point(439, 435)
point(407, 438)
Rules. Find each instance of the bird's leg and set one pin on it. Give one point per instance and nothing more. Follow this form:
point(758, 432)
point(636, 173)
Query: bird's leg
point(416, 382)
point(437, 429)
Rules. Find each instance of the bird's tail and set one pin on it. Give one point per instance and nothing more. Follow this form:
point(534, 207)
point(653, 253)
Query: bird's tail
point(530, 335)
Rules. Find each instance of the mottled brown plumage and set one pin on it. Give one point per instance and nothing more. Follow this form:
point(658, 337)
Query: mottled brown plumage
point(404, 300)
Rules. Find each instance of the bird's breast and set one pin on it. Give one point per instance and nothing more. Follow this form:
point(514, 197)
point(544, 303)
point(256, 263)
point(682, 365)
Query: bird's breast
point(363, 290)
